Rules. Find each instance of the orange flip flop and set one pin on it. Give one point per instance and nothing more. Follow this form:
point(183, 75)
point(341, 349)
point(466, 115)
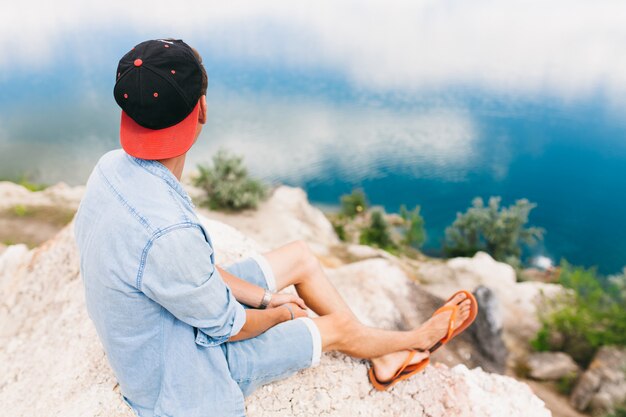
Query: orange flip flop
point(452, 331)
point(404, 372)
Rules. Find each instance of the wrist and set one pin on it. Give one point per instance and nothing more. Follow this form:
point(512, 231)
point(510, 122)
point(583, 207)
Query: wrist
point(266, 300)
point(282, 314)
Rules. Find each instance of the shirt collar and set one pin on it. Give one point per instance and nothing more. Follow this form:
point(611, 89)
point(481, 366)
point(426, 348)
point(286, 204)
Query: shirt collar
point(163, 172)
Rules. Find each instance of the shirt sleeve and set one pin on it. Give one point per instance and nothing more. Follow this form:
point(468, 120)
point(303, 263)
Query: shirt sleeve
point(180, 275)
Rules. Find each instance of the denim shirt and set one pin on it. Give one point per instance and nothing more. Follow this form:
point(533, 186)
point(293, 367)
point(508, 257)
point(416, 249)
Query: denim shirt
point(161, 309)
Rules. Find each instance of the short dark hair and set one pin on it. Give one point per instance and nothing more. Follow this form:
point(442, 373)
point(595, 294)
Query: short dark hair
point(205, 78)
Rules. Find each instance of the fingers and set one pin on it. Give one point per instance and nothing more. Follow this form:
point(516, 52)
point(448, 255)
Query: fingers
point(300, 313)
point(279, 299)
point(300, 302)
point(296, 300)
point(297, 310)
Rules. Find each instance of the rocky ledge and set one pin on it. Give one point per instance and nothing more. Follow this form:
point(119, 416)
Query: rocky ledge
point(51, 362)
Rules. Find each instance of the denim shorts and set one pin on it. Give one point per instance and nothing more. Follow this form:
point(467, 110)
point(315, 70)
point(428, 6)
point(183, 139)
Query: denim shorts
point(278, 352)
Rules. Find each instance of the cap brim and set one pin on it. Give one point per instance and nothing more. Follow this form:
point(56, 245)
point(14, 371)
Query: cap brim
point(172, 141)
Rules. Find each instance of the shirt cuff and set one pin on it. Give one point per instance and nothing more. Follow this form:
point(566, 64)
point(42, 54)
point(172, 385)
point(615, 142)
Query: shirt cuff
point(240, 319)
point(203, 339)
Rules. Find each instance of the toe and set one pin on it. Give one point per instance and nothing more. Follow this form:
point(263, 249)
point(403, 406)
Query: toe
point(458, 298)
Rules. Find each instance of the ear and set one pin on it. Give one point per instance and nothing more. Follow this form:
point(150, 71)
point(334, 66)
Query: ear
point(203, 109)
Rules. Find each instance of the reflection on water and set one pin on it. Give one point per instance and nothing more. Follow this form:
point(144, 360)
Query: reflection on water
point(437, 156)
point(318, 141)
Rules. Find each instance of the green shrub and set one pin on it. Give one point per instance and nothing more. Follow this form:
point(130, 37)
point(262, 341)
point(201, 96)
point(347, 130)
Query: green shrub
point(25, 181)
point(354, 203)
point(591, 315)
point(355, 221)
point(20, 210)
point(56, 215)
point(32, 186)
point(618, 284)
point(620, 411)
point(521, 368)
point(499, 231)
point(414, 233)
point(377, 233)
point(340, 230)
point(565, 385)
point(228, 185)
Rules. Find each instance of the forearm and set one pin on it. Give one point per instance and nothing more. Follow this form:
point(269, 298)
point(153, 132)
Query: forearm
point(244, 291)
point(258, 321)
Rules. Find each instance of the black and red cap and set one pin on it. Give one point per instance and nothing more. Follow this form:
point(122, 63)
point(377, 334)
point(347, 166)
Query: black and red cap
point(158, 85)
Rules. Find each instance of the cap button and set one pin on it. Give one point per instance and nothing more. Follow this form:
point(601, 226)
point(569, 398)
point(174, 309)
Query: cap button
point(138, 62)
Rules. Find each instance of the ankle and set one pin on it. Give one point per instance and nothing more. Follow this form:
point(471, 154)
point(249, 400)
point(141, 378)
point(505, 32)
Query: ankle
point(382, 361)
point(378, 361)
point(423, 335)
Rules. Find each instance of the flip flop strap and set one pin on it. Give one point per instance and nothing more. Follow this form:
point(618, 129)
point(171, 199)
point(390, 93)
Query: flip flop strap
point(406, 362)
point(451, 320)
point(396, 376)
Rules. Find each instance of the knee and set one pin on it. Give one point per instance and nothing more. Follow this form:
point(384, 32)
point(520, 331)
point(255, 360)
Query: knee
point(307, 259)
point(344, 321)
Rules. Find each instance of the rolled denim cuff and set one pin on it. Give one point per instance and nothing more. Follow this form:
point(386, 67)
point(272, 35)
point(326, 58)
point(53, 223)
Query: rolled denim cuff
point(264, 264)
point(317, 340)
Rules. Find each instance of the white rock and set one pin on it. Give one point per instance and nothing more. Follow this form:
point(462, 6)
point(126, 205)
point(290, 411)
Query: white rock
point(376, 289)
point(12, 257)
point(603, 385)
point(550, 366)
point(49, 349)
point(284, 217)
point(366, 252)
point(520, 301)
point(60, 194)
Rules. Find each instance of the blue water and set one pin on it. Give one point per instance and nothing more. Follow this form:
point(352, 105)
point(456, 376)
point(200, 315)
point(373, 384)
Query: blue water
point(571, 165)
point(314, 128)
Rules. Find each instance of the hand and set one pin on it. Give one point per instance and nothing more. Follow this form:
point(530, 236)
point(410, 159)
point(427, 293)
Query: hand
point(280, 299)
point(295, 308)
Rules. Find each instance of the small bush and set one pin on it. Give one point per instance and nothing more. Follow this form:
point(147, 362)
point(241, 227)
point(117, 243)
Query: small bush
point(340, 230)
point(590, 316)
point(20, 210)
point(353, 204)
point(25, 181)
point(542, 342)
point(521, 369)
point(54, 215)
point(618, 284)
point(32, 186)
point(228, 185)
point(565, 385)
point(414, 233)
point(620, 411)
point(377, 233)
point(499, 231)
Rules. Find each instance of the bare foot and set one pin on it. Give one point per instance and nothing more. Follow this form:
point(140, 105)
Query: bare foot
point(436, 327)
point(387, 365)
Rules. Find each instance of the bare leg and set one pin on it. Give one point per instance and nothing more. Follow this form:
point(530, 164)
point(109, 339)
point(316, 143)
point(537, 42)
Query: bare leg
point(342, 332)
point(295, 264)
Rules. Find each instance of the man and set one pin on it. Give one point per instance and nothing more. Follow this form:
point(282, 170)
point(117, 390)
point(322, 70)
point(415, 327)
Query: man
point(185, 337)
